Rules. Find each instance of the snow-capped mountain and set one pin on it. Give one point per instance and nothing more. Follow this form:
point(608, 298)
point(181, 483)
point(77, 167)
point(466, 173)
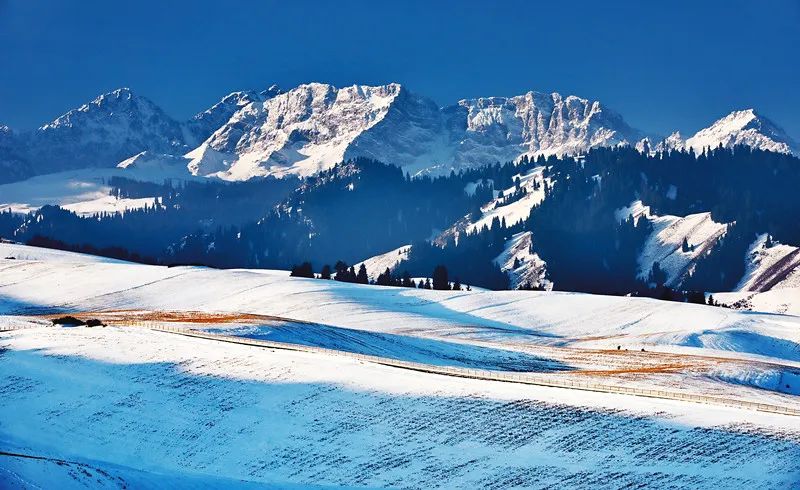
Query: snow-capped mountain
point(745, 127)
point(203, 125)
point(672, 142)
point(494, 129)
point(112, 127)
point(314, 126)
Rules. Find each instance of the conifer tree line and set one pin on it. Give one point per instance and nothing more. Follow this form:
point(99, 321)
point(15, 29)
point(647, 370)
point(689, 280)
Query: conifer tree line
point(344, 273)
point(361, 208)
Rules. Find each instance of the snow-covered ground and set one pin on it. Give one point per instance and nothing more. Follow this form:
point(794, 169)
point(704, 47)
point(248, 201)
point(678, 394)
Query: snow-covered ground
point(634, 211)
point(664, 245)
point(121, 398)
point(390, 260)
point(774, 267)
point(134, 405)
point(530, 268)
point(500, 207)
point(83, 191)
point(515, 211)
point(66, 281)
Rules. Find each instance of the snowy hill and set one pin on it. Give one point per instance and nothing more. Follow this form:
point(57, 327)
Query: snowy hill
point(665, 244)
point(745, 127)
point(771, 281)
point(514, 205)
point(771, 266)
point(127, 406)
point(390, 260)
point(524, 267)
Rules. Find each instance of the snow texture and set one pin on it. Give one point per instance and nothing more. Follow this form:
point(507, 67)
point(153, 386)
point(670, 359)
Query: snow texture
point(392, 260)
point(664, 245)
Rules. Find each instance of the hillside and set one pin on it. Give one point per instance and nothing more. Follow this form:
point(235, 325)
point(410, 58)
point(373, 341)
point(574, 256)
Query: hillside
point(201, 412)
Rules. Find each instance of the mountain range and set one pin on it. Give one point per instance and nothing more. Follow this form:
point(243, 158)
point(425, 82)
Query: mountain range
point(314, 126)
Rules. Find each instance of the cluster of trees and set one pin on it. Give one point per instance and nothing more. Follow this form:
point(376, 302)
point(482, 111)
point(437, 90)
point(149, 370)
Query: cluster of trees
point(343, 273)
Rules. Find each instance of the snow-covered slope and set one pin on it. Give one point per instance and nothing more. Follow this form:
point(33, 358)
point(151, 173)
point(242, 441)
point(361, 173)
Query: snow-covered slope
point(665, 244)
point(524, 267)
point(745, 127)
point(111, 128)
point(86, 191)
point(130, 408)
point(76, 282)
point(510, 207)
point(203, 124)
point(771, 281)
point(770, 267)
point(155, 164)
point(390, 260)
point(136, 406)
point(511, 210)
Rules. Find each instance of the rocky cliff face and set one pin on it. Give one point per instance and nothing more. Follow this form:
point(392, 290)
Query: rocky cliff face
point(314, 126)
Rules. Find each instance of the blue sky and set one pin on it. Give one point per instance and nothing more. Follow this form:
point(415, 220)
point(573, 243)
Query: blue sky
point(663, 65)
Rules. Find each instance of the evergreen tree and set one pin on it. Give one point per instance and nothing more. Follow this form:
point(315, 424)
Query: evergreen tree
point(303, 270)
point(362, 277)
point(657, 275)
point(384, 278)
point(440, 278)
point(326, 272)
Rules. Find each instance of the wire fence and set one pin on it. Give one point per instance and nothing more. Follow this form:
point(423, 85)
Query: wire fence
point(483, 374)
point(10, 328)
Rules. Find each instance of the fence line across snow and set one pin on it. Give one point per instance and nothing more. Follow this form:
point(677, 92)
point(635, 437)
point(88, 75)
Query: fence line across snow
point(513, 377)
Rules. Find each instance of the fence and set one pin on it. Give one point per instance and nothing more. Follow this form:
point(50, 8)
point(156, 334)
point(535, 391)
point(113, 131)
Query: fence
point(512, 377)
point(10, 328)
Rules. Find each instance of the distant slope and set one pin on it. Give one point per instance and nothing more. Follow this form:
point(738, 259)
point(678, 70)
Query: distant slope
point(665, 243)
point(392, 260)
point(771, 267)
point(530, 270)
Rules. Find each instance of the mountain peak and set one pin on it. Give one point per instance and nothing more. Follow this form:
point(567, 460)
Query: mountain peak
point(101, 133)
point(744, 127)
